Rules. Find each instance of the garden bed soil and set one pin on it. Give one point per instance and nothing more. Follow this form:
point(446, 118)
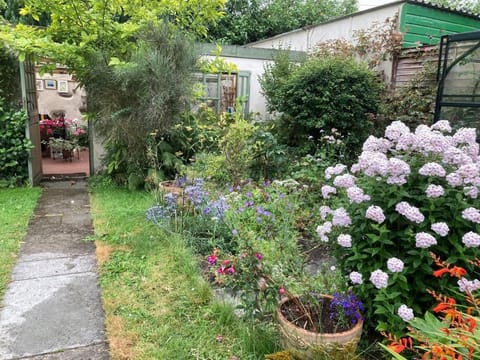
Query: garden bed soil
point(315, 318)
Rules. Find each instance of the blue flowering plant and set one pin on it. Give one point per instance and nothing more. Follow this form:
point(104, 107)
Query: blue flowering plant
point(264, 254)
point(189, 208)
point(409, 193)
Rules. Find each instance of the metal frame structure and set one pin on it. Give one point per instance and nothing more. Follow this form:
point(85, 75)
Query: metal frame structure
point(445, 66)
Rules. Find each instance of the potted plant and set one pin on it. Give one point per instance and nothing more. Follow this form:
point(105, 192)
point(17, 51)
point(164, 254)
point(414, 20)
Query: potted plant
point(62, 146)
point(320, 326)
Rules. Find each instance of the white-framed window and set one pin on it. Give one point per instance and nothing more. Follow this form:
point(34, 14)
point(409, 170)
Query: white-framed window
point(222, 90)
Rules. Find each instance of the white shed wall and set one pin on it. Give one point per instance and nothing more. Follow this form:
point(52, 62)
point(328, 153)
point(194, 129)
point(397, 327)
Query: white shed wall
point(343, 28)
point(256, 68)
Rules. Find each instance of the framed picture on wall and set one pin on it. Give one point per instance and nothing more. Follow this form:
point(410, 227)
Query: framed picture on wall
point(39, 84)
point(63, 86)
point(50, 84)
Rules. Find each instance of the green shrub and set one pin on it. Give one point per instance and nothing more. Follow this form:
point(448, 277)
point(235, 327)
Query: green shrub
point(144, 94)
point(14, 146)
point(325, 94)
point(236, 148)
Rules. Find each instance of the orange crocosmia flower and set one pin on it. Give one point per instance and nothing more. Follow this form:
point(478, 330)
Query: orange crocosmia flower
point(472, 324)
point(396, 347)
point(458, 272)
point(441, 272)
point(441, 307)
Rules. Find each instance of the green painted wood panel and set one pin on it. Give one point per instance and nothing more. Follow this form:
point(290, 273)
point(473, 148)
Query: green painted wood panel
point(426, 25)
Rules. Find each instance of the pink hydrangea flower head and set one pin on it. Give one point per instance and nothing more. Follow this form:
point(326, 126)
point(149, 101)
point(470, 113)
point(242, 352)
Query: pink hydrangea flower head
point(395, 265)
point(412, 213)
point(432, 169)
point(434, 191)
point(407, 142)
point(344, 181)
point(455, 156)
point(356, 195)
point(469, 172)
point(398, 167)
point(434, 143)
point(327, 190)
point(324, 211)
point(442, 125)
point(356, 278)
point(471, 191)
point(465, 285)
point(440, 228)
point(334, 170)
point(465, 136)
point(405, 312)
point(471, 214)
point(323, 230)
point(376, 144)
point(344, 240)
point(454, 179)
point(372, 164)
point(341, 217)
point(379, 279)
point(471, 239)
point(375, 213)
point(424, 240)
point(395, 130)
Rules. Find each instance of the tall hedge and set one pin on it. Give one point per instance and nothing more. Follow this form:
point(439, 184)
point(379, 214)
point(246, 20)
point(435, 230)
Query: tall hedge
point(329, 93)
point(14, 146)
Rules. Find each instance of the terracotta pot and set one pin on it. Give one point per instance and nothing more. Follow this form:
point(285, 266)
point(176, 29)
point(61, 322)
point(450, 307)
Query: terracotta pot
point(308, 345)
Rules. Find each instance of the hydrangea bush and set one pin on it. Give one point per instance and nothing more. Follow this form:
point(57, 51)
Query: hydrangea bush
point(408, 194)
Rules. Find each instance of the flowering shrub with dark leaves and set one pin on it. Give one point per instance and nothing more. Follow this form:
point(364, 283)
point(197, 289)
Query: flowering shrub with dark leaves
point(408, 194)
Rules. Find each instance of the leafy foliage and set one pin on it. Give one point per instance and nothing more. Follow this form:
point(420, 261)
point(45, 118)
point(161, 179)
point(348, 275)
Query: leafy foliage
point(14, 147)
point(9, 76)
point(140, 99)
point(246, 21)
point(77, 29)
point(325, 94)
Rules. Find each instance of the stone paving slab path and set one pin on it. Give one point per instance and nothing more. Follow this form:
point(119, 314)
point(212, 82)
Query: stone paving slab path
point(52, 309)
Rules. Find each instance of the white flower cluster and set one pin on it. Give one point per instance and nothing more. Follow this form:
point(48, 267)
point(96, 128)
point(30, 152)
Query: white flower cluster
point(327, 190)
point(356, 195)
point(356, 278)
point(324, 211)
point(395, 265)
point(471, 239)
point(434, 191)
point(344, 181)
point(412, 213)
point(323, 230)
point(334, 170)
point(405, 312)
point(471, 214)
point(432, 169)
point(341, 218)
point(424, 240)
point(344, 240)
point(440, 228)
point(379, 279)
point(375, 213)
point(468, 285)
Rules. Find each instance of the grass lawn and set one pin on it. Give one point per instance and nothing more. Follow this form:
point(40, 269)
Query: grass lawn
point(16, 208)
point(157, 305)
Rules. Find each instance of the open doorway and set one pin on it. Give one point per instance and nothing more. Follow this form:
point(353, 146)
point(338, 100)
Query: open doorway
point(63, 129)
